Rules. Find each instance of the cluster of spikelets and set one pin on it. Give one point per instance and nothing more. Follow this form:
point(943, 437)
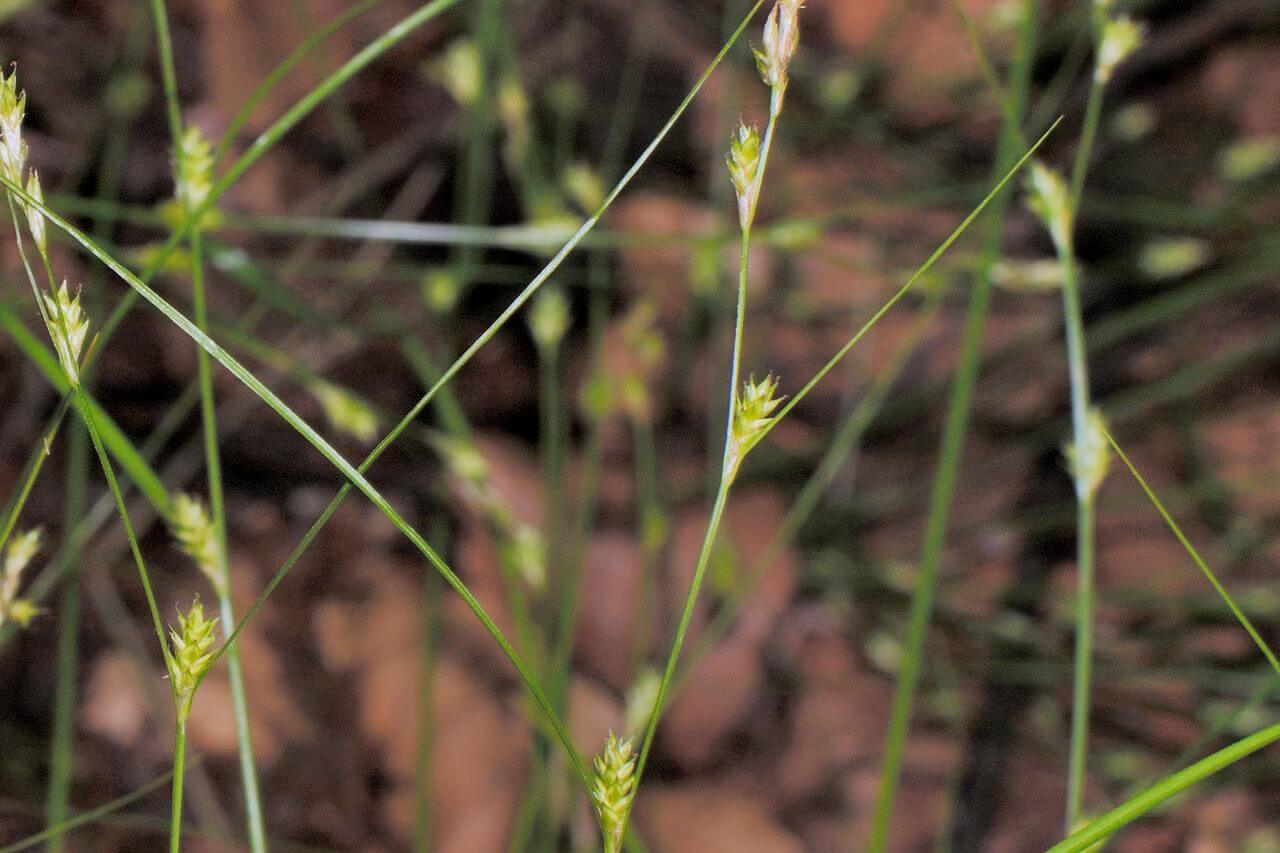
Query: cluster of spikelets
point(753, 415)
point(522, 547)
point(191, 654)
point(197, 537)
point(1118, 37)
point(22, 548)
point(614, 789)
point(68, 326)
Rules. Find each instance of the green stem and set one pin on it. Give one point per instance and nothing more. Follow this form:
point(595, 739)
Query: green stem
point(89, 817)
point(728, 468)
point(61, 750)
point(1077, 368)
point(1088, 133)
point(213, 463)
point(957, 423)
point(108, 470)
point(1101, 829)
point(217, 510)
point(179, 767)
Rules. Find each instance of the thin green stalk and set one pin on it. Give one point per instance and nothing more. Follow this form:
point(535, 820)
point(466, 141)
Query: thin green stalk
point(728, 465)
point(282, 70)
point(85, 408)
point(168, 75)
point(31, 471)
point(848, 436)
point(1078, 369)
point(1099, 830)
point(217, 510)
point(213, 469)
point(60, 743)
point(957, 422)
point(1088, 133)
point(88, 817)
point(1077, 365)
point(1221, 590)
point(104, 459)
point(179, 770)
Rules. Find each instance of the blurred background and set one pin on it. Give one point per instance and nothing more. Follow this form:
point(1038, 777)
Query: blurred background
point(367, 249)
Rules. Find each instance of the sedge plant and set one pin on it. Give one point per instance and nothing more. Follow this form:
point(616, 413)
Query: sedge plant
point(1056, 203)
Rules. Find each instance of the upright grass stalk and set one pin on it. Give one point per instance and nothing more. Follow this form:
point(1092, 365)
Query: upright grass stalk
point(193, 168)
point(948, 466)
point(61, 747)
point(1057, 205)
point(747, 415)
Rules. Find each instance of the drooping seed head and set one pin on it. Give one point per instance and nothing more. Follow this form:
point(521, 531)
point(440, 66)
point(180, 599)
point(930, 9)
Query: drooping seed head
point(13, 108)
point(781, 39)
point(1090, 458)
point(743, 161)
point(68, 328)
point(197, 537)
point(35, 219)
point(1121, 36)
point(614, 789)
point(193, 168)
point(1049, 199)
point(191, 653)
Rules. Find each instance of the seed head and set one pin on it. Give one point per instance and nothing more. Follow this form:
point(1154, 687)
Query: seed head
point(1121, 36)
point(1090, 459)
point(752, 416)
point(781, 39)
point(549, 318)
point(197, 537)
point(614, 789)
point(190, 654)
point(1049, 199)
point(526, 552)
point(441, 290)
point(68, 328)
point(640, 698)
point(460, 70)
point(17, 556)
point(743, 161)
point(193, 168)
point(13, 108)
point(35, 219)
point(346, 412)
point(22, 548)
point(22, 611)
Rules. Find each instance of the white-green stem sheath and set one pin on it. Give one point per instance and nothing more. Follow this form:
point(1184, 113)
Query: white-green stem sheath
point(1085, 493)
